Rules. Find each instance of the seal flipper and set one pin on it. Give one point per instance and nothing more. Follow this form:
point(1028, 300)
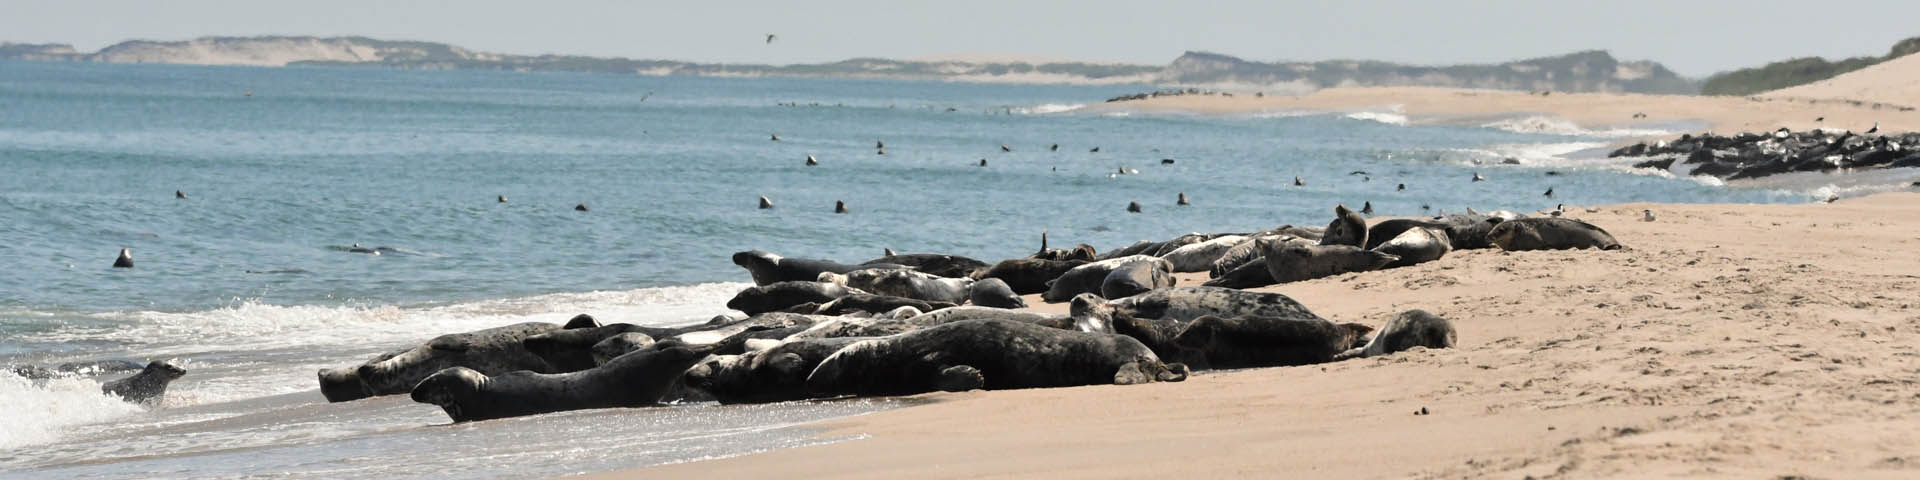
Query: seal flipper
point(960, 378)
point(1175, 372)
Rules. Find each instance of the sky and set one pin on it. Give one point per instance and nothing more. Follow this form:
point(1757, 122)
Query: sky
point(1693, 38)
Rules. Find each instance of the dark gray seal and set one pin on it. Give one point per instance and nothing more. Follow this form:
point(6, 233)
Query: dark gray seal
point(148, 386)
point(1136, 278)
point(994, 292)
point(1081, 252)
point(1294, 263)
point(1028, 276)
point(613, 347)
point(949, 266)
point(875, 304)
point(1550, 233)
point(1412, 328)
point(1253, 274)
point(1348, 228)
point(768, 268)
point(776, 374)
point(1416, 246)
point(492, 351)
point(779, 296)
point(1183, 304)
point(1250, 341)
point(989, 354)
point(1088, 278)
point(94, 367)
point(921, 286)
point(636, 379)
point(125, 260)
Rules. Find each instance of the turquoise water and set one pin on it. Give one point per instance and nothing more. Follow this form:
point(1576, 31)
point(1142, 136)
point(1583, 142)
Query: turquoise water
point(250, 283)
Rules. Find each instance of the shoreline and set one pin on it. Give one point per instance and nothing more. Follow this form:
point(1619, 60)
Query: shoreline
point(1728, 340)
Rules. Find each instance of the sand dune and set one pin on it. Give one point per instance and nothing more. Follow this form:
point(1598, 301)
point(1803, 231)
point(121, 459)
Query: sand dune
point(1896, 81)
point(1739, 341)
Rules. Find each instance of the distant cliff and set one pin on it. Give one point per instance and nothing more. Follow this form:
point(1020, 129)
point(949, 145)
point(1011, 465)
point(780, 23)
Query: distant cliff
point(1593, 71)
point(1794, 72)
point(1589, 71)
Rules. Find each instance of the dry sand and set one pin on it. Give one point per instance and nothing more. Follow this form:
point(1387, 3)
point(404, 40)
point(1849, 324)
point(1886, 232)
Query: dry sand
point(1735, 341)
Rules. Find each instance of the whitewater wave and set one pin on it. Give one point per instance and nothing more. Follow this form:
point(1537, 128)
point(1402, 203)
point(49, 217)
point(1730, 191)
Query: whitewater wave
point(39, 412)
point(1388, 118)
point(1555, 126)
point(1047, 108)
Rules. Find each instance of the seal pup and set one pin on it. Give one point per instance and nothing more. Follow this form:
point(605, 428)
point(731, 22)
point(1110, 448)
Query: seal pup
point(1416, 246)
point(580, 208)
point(988, 354)
point(1133, 207)
point(493, 350)
point(148, 386)
point(1553, 233)
point(811, 162)
point(1135, 278)
point(1646, 215)
point(1294, 263)
point(636, 379)
point(994, 292)
point(765, 203)
point(839, 206)
point(125, 260)
point(179, 195)
point(1412, 328)
point(1347, 228)
point(1182, 200)
point(1250, 341)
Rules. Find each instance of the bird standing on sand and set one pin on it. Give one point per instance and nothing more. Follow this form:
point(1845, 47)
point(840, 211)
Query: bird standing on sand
point(1133, 207)
point(1876, 128)
point(770, 38)
point(839, 206)
point(811, 161)
point(1298, 182)
point(1183, 199)
point(179, 195)
point(1646, 215)
point(1367, 208)
point(1477, 177)
point(765, 203)
point(125, 260)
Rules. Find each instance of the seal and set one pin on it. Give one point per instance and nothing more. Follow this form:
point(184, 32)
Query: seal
point(1412, 328)
point(1251, 341)
point(1028, 276)
point(1089, 277)
point(768, 268)
point(613, 347)
point(148, 386)
point(994, 292)
point(580, 208)
point(1551, 233)
point(776, 374)
point(964, 313)
point(778, 296)
point(1133, 207)
point(949, 266)
point(989, 354)
point(179, 195)
point(492, 351)
point(636, 379)
point(811, 162)
point(1182, 200)
point(921, 286)
point(839, 206)
point(874, 304)
point(1199, 257)
point(1253, 274)
point(500, 199)
point(1416, 246)
point(125, 260)
point(1183, 304)
point(1348, 228)
point(97, 367)
point(1135, 278)
point(1078, 252)
point(765, 203)
point(1294, 263)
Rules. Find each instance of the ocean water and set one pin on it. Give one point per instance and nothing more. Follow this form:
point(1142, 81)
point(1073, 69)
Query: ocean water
point(250, 285)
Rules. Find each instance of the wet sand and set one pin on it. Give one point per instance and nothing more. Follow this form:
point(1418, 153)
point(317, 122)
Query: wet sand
point(1748, 341)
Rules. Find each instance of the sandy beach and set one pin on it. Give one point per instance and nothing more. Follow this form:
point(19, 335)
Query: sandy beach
point(1740, 341)
point(1883, 93)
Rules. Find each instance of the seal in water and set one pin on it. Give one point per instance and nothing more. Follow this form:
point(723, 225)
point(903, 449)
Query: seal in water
point(1550, 233)
point(147, 386)
point(1294, 263)
point(1133, 207)
point(1412, 328)
point(1348, 228)
point(765, 203)
point(989, 354)
point(768, 268)
point(839, 206)
point(1416, 246)
point(501, 199)
point(1182, 200)
point(493, 350)
point(636, 379)
point(811, 162)
point(125, 260)
point(580, 208)
point(179, 195)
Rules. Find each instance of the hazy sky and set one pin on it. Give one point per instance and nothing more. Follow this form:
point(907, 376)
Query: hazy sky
point(1693, 38)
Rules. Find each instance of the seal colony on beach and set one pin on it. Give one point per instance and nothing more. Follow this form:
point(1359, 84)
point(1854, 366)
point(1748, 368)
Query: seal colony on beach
point(904, 324)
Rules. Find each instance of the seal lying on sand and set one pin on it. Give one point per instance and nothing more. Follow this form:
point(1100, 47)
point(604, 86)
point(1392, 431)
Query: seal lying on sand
point(775, 374)
point(1199, 257)
point(949, 266)
point(1261, 341)
point(780, 295)
point(492, 351)
point(1293, 263)
point(148, 386)
point(1348, 228)
point(1028, 276)
point(1183, 304)
point(1550, 233)
point(768, 268)
point(636, 379)
point(921, 286)
point(989, 354)
point(1412, 328)
point(1415, 246)
point(1088, 278)
point(993, 292)
point(1135, 278)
